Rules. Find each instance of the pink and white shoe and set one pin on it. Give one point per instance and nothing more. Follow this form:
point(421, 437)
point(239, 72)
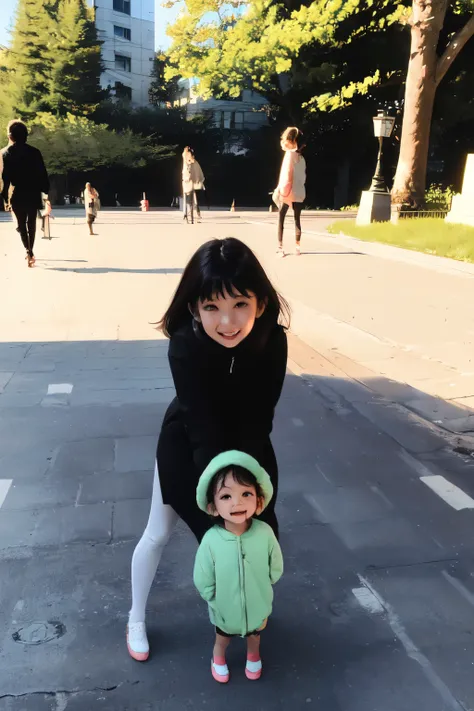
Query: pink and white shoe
point(220, 672)
point(253, 670)
point(137, 641)
point(280, 252)
point(298, 250)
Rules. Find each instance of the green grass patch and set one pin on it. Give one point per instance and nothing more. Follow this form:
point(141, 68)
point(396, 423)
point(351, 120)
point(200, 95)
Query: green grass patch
point(421, 235)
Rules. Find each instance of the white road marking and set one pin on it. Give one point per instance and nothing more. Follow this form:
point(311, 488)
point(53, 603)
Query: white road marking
point(414, 653)
point(453, 495)
point(457, 584)
point(297, 422)
point(420, 469)
point(450, 493)
point(5, 485)
point(367, 600)
point(60, 388)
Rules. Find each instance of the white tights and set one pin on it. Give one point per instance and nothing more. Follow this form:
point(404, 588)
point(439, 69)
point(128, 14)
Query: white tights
point(147, 554)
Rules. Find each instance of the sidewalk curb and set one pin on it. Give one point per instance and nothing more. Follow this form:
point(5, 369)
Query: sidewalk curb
point(333, 364)
point(339, 342)
point(408, 256)
point(380, 250)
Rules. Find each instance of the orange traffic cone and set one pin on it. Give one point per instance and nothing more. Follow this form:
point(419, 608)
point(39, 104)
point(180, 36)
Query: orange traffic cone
point(232, 207)
point(144, 204)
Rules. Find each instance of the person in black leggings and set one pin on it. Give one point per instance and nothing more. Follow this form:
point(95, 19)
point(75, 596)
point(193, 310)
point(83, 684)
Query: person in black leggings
point(291, 185)
point(284, 207)
point(25, 174)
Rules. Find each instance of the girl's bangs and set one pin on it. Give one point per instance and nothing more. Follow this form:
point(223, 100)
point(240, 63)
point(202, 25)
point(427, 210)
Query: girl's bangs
point(239, 474)
point(215, 287)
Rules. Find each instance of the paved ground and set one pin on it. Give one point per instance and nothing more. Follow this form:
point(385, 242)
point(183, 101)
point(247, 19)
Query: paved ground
point(375, 610)
point(399, 322)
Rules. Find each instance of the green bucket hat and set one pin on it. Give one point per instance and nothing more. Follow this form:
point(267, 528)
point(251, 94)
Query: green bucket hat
point(225, 460)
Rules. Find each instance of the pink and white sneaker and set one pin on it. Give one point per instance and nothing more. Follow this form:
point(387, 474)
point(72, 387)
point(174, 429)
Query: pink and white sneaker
point(220, 672)
point(253, 670)
point(137, 641)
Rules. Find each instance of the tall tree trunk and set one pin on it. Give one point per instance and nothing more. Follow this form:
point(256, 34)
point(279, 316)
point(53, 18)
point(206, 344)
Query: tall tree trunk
point(427, 22)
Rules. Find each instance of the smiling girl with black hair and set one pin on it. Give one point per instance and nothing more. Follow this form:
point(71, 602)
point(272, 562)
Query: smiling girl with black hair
point(227, 353)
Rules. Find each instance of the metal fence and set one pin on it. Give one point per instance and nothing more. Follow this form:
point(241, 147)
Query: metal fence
point(437, 214)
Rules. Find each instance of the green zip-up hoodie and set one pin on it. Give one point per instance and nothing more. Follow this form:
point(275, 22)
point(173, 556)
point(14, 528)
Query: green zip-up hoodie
point(235, 574)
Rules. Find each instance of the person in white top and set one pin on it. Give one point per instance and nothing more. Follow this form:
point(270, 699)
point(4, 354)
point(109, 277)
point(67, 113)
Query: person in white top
point(193, 179)
point(291, 185)
point(91, 203)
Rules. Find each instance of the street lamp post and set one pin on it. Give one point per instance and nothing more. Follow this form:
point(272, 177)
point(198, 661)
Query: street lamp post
point(375, 202)
point(383, 127)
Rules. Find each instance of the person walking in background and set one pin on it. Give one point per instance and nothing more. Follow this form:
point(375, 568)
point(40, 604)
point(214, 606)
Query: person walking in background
point(24, 180)
point(291, 190)
point(193, 179)
point(91, 203)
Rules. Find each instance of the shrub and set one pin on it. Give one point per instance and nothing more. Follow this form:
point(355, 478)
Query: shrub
point(439, 198)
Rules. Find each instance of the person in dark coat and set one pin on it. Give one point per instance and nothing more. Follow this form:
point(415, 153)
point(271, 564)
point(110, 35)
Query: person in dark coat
point(228, 355)
point(24, 180)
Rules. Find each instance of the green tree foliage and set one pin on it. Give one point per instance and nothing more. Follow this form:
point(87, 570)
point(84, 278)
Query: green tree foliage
point(25, 86)
point(54, 61)
point(318, 56)
point(162, 90)
point(277, 47)
point(433, 50)
point(75, 60)
point(75, 143)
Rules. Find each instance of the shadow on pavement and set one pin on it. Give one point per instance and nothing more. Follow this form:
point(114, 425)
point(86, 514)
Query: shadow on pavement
point(107, 270)
point(323, 253)
point(81, 468)
point(47, 261)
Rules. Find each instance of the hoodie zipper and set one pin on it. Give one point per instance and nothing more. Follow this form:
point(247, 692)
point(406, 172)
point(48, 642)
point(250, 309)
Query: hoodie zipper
point(243, 597)
point(231, 369)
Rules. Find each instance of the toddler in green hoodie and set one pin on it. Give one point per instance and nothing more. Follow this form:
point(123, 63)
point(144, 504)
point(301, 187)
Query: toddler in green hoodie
point(239, 558)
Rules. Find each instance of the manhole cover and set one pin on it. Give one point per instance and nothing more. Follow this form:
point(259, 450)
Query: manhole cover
point(39, 632)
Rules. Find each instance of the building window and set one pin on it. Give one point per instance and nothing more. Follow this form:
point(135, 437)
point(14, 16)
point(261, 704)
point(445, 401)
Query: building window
point(122, 32)
point(239, 120)
point(123, 64)
point(122, 91)
point(122, 6)
point(227, 119)
point(216, 118)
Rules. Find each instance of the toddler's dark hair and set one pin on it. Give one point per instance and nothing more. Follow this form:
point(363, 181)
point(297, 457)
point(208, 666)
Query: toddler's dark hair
point(241, 475)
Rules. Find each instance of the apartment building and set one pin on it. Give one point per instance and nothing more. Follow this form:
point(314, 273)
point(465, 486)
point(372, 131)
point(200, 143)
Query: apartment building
point(127, 30)
point(244, 113)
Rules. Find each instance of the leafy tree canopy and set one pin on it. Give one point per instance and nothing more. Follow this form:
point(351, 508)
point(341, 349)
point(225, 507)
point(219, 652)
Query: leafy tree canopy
point(323, 53)
point(75, 143)
point(54, 62)
point(162, 90)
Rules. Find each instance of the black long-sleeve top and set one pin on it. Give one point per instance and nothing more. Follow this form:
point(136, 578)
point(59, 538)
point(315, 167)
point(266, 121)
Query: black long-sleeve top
point(225, 399)
point(24, 170)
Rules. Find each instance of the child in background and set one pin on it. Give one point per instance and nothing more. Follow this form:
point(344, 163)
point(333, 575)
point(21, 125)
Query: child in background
point(239, 558)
